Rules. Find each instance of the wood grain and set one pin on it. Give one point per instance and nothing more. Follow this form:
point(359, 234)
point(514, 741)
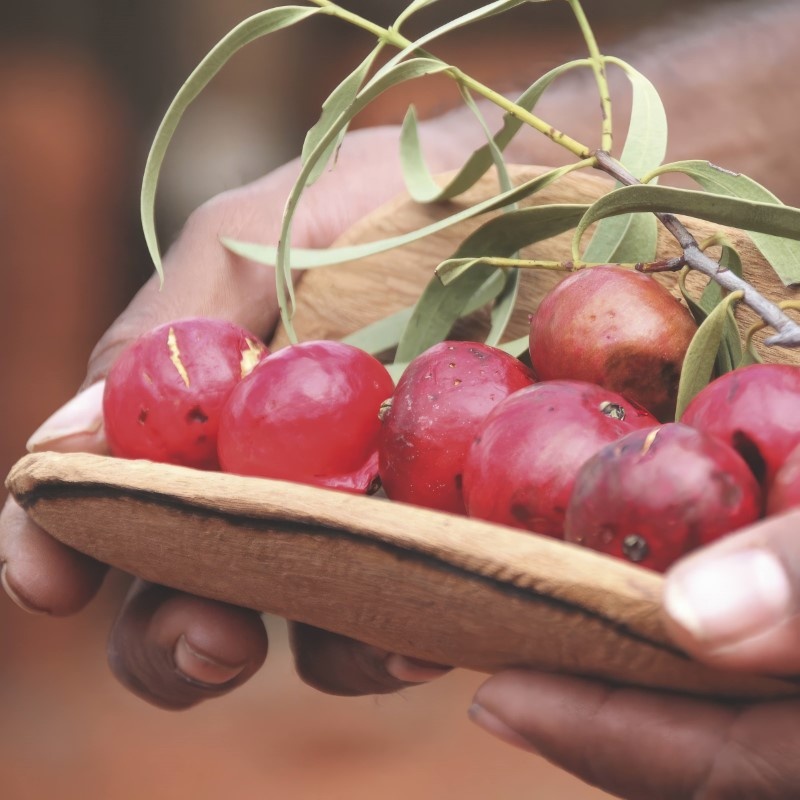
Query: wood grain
point(429, 585)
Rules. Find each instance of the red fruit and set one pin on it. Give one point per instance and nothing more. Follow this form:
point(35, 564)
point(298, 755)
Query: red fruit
point(785, 490)
point(754, 409)
point(164, 394)
point(616, 328)
point(308, 413)
point(659, 493)
point(443, 396)
point(523, 462)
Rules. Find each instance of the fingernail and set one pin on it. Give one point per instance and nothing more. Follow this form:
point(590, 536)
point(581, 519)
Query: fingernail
point(729, 599)
point(496, 727)
point(412, 670)
point(15, 595)
point(81, 416)
point(200, 667)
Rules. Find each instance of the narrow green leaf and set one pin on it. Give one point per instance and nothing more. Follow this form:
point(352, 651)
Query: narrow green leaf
point(439, 306)
point(516, 347)
point(504, 307)
point(412, 8)
point(337, 104)
point(732, 211)
point(248, 31)
point(409, 70)
point(309, 259)
point(783, 254)
point(698, 366)
point(384, 334)
point(634, 237)
point(419, 180)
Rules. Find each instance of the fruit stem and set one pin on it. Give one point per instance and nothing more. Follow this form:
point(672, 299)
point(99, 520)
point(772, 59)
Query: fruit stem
point(788, 331)
point(393, 37)
point(599, 68)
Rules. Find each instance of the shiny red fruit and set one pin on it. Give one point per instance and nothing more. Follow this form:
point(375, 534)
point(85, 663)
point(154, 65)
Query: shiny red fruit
point(754, 409)
point(164, 394)
point(616, 328)
point(522, 465)
point(308, 413)
point(442, 397)
point(659, 493)
point(785, 490)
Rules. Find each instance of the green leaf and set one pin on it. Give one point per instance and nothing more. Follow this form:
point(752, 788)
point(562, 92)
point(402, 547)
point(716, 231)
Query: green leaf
point(783, 254)
point(440, 306)
point(384, 334)
point(634, 237)
point(516, 347)
point(408, 70)
point(248, 31)
point(412, 8)
point(732, 211)
point(419, 180)
point(698, 366)
point(337, 104)
point(310, 259)
point(504, 307)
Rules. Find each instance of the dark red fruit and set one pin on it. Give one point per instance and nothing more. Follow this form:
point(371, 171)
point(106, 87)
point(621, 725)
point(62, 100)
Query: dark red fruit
point(521, 467)
point(164, 394)
point(785, 490)
point(616, 328)
point(442, 397)
point(308, 413)
point(659, 493)
point(754, 409)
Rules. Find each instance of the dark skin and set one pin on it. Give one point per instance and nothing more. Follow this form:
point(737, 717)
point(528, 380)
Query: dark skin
point(733, 605)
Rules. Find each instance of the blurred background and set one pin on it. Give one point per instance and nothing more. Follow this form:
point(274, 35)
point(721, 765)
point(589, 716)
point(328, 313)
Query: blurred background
point(83, 85)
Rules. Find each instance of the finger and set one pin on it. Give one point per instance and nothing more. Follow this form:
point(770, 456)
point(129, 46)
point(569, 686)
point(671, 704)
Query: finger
point(175, 650)
point(735, 604)
point(644, 745)
point(40, 574)
point(339, 665)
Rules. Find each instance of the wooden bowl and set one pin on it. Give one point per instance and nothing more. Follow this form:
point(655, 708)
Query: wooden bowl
point(430, 585)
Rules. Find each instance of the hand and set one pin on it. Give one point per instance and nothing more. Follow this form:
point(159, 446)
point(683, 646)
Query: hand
point(733, 605)
point(171, 648)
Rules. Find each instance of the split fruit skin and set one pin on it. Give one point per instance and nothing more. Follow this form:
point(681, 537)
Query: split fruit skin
point(616, 328)
point(755, 410)
point(164, 395)
point(784, 493)
point(308, 413)
point(521, 467)
point(441, 399)
point(659, 493)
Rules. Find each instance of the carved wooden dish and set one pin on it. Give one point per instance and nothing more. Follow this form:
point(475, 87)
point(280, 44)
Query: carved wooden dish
point(430, 585)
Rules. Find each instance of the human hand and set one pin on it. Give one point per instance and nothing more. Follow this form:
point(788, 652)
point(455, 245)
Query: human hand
point(733, 605)
point(171, 648)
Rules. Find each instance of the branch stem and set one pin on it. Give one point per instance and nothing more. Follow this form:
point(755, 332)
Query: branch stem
point(787, 330)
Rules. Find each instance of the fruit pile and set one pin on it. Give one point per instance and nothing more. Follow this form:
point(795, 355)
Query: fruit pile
point(582, 445)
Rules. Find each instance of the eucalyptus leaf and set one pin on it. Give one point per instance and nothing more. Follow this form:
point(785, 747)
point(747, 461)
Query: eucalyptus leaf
point(249, 30)
point(419, 180)
point(724, 210)
point(634, 237)
point(516, 347)
point(701, 356)
point(504, 307)
point(408, 70)
point(384, 334)
point(337, 104)
point(439, 306)
point(782, 254)
point(410, 9)
point(303, 258)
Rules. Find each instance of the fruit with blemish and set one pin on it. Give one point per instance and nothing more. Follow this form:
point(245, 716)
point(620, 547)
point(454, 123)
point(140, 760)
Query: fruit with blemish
point(308, 413)
point(442, 397)
point(522, 464)
point(656, 494)
point(616, 328)
point(755, 410)
point(164, 394)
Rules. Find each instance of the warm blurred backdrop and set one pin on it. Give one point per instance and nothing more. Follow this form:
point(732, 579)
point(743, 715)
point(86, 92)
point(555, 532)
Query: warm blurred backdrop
point(82, 88)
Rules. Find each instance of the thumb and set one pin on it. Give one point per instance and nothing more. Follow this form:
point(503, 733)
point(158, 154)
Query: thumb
point(735, 604)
